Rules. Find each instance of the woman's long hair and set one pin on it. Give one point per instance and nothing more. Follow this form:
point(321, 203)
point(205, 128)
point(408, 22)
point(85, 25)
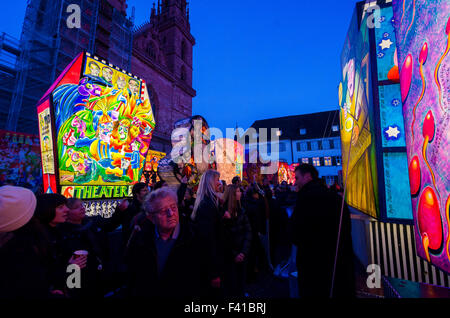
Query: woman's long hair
point(231, 203)
point(206, 190)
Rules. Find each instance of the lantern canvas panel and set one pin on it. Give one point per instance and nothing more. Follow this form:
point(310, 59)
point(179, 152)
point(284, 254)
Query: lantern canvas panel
point(228, 156)
point(385, 41)
point(358, 160)
point(104, 123)
point(423, 40)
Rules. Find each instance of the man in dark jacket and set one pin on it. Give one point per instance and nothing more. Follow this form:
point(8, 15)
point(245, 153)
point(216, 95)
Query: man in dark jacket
point(255, 209)
point(80, 233)
point(160, 255)
point(126, 211)
point(315, 225)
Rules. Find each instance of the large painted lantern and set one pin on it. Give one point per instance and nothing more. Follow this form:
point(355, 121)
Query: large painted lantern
point(423, 41)
point(229, 156)
point(150, 175)
point(374, 161)
point(191, 153)
point(95, 125)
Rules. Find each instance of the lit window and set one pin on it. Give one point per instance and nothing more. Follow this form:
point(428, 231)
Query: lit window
point(305, 160)
point(327, 161)
point(335, 128)
point(338, 161)
point(304, 146)
point(279, 133)
point(316, 161)
point(302, 131)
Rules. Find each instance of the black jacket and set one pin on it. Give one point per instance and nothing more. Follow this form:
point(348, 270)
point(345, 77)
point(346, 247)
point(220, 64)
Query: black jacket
point(256, 213)
point(210, 237)
point(179, 277)
point(84, 237)
point(315, 226)
point(123, 218)
point(24, 272)
point(238, 235)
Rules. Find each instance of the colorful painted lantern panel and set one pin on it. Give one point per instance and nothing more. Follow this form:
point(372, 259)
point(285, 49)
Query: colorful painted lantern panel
point(423, 40)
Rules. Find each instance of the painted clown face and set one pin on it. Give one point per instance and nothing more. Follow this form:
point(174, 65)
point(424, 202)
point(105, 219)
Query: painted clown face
point(134, 87)
point(80, 125)
point(108, 74)
point(135, 146)
point(121, 83)
point(95, 70)
point(77, 161)
point(105, 131)
point(123, 132)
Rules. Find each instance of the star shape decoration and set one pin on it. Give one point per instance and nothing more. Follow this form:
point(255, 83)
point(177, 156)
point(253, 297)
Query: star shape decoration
point(386, 44)
point(392, 132)
point(395, 102)
point(380, 55)
point(381, 19)
point(386, 35)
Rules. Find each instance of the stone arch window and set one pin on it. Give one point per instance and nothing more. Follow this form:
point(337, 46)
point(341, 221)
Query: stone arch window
point(183, 50)
point(183, 73)
point(151, 50)
point(153, 101)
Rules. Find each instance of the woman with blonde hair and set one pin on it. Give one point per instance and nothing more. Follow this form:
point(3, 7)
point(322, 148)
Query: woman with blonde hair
point(207, 219)
point(238, 236)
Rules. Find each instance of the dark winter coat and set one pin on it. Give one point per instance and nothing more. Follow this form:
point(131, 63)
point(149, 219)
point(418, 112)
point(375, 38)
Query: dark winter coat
point(24, 272)
point(84, 237)
point(123, 218)
point(256, 213)
point(178, 279)
point(238, 235)
point(210, 238)
point(315, 226)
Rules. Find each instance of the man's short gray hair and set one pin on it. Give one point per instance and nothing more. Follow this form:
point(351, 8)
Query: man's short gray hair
point(153, 197)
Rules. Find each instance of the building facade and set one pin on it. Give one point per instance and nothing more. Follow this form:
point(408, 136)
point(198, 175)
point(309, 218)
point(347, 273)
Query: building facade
point(9, 53)
point(310, 138)
point(163, 56)
point(50, 40)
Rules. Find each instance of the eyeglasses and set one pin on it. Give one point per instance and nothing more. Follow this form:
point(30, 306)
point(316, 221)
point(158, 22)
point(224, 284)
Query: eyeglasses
point(165, 211)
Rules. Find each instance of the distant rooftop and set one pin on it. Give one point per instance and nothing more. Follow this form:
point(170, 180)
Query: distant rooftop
point(307, 126)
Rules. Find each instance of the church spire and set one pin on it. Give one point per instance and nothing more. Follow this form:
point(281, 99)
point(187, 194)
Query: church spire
point(187, 11)
point(153, 13)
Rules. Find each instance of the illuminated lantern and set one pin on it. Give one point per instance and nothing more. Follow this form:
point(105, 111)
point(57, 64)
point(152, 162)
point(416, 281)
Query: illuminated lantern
point(414, 175)
point(429, 219)
point(447, 209)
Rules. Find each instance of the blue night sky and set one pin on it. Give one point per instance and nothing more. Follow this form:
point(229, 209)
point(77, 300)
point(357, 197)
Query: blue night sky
point(254, 59)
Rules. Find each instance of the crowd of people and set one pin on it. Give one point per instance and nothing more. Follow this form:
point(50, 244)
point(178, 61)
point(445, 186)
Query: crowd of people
point(212, 243)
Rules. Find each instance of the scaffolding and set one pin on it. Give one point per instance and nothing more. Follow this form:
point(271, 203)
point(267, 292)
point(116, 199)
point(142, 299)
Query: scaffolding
point(9, 53)
point(48, 45)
